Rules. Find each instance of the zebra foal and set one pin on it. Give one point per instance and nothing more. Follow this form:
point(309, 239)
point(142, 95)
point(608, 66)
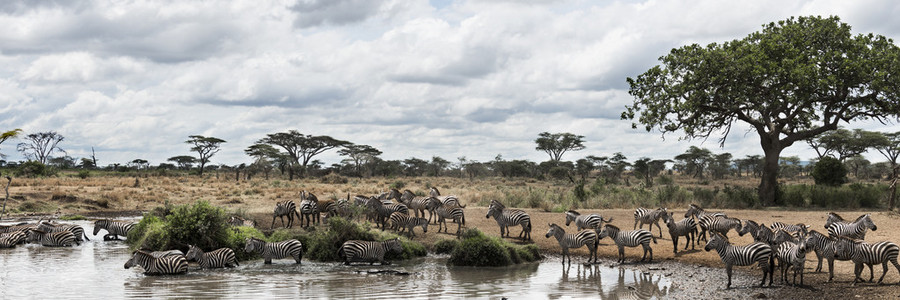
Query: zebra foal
point(645, 216)
point(631, 238)
point(587, 237)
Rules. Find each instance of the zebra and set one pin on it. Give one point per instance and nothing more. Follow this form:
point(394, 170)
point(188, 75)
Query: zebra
point(415, 203)
point(702, 217)
point(309, 209)
point(592, 221)
point(10, 240)
point(861, 253)
point(158, 265)
point(340, 208)
point(401, 221)
point(774, 238)
point(383, 212)
point(628, 238)
point(238, 221)
point(362, 201)
point(75, 229)
point(284, 249)
point(686, 228)
point(793, 256)
point(798, 229)
point(506, 217)
point(219, 258)
point(824, 247)
point(453, 213)
point(51, 239)
point(386, 197)
point(722, 225)
point(758, 252)
point(18, 227)
point(587, 237)
point(856, 229)
point(368, 251)
point(645, 216)
point(285, 208)
point(447, 200)
point(750, 227)
point(114, 229)
point(833, 217)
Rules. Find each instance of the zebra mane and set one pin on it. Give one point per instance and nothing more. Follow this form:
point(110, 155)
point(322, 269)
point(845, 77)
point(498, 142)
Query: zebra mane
point(436, 190)
point(573, 212)
point(752, 222)
point(834, 214)
point(819, 234)
point(614, 227)
point(861, 217)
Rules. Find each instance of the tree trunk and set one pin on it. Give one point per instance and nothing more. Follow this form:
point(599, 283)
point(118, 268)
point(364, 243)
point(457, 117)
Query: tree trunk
point(768, 186)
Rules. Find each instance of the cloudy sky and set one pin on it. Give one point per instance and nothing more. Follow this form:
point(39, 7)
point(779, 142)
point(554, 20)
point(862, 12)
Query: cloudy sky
point(413, 78)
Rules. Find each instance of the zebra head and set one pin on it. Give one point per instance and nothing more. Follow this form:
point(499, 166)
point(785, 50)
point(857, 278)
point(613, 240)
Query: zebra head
point(394, 245)
point(433, 203)
point(494, 208)
point(608, 230)
point(137, 259)
point(763, 234)
point(570, 216)
point(716, 241)
point(866, 221)
point(193, 253)
point(100, 224)
point(833, 218)
point(843, 247)
point(692, 210)
point(554, 230)
point(434, 192)
point(750, 227)
point(253, 244)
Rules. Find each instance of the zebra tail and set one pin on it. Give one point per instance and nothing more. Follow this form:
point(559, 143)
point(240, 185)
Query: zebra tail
point(654, 238)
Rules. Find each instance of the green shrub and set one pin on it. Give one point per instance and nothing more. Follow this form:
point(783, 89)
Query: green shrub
point(829, 171)
point(84, 174)
point(399, 184)
point(72, 217)
point(477, 249)
point(323, 245)
point(33, 168)
point(445, 246)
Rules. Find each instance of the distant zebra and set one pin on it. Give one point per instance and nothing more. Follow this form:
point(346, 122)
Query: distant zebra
point(238, 221)
point(824, 247)
point(75, 229)
point(587, 237)
point(455, 214)
point(164, 265)
point(290, 248)
point(10, 240)
point(368, 251)
point(114, 229)
point(645, 216)
point(415, 203)
point(793, 256)
point(285, 208)
point(309, 209)
point(631, 238)
point(703, 217)
point(855, 230)
point(722, 225)
point(760, 253)
point(51, 239)
point(861, 253)
point(592, 221)
point(510, 217)
point(383, 212)
point(341, 208)
point(686, 228)
point(219, 258)
point(401, 222)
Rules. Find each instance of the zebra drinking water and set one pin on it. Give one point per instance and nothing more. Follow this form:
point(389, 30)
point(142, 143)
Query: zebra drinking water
point(510, 217)
point(686, 228)
point(592, 221)
point(219, 258)
point(645, 216)
point(114, 229)
point(631, 238)
point(760, 253)
point(158, 265)
point(368, 251)
point(278, 250)
point(587, 237)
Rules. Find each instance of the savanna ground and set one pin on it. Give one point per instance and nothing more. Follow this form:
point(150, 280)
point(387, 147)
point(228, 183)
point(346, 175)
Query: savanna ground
point(102, 196)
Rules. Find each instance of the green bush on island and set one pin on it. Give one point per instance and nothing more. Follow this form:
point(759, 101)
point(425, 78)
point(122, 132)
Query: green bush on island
point(477, 249)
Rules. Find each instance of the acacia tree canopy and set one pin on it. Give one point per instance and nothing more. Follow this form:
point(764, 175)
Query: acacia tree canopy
point(40, 146)
point(791, 81)
point(557, 144)
point(206, 147)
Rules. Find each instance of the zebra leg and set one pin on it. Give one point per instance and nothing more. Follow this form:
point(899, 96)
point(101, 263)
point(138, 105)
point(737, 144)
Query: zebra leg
point(819, 266)
point(884, 271)
point(857, 269)
point(651, 252)
point(621, 254)
point(728, 271)
point(830, 269)
point(268, 260)
point(871, 273)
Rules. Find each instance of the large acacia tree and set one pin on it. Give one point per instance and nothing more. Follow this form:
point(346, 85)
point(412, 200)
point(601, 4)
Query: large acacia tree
point(40, 146)
point(205, 147)
point(301, 147)
point(791, 81)
point(557, 144)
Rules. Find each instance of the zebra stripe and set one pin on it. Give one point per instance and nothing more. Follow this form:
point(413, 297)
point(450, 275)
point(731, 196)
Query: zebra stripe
point(722, 225)
point(285, 208)
point(587, 237)
point(114, 229)
point(792, 255)
point(774, 238)
point(383, 212)
point(797, 229)
point(446, 200)
point(402, 222)
point(368, 251)
point(453, 213)
point(702, 217)
point(760, 253)
point(752, 228)
point(278, 250)
point(158, 265)
point(592, 221)
point(854, 230)
point(18, 227)
point(824, 247)
point(631, 238)
point(75, 229)
point(51, 239)
point(861, 253)
point(309, 209)
point(219, 258)
point(686, 228)
point(645, 216)
point(415, 203)
point(510, 217)
point(10, 240)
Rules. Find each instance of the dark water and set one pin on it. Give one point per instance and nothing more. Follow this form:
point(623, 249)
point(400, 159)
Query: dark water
point(95, 269)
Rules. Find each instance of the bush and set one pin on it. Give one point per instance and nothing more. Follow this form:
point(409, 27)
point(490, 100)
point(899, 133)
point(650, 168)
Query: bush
point(399, 184)
point(477, 249)
point(445, 246)
point(84, 174)
point(33, 168)
point(323, 245)
point(333, 178)
point(829, 171)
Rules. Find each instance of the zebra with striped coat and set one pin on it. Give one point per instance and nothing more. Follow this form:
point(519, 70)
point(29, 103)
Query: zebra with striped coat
point(368, 251)
point(793, 256)
point(309, 209)
point(592, 221)
point(509, 217)
point(446, 200)
point(285, 208)
point(861, 253)
point(631, 238)
point(833, 217)
point(219, 258)
point(758, 252)
point(415, 203)
point(75, 229)
point(285, 249)
point(722, 225)
point(10, 240)
point(686, 228)
point(795, 229)
point(645, 216)
point(18, 227)
point(114, 229)
point(158, 265)
point(587, 237)
point(750, 227)
point(702, 217)
point(238, 221)
point(402, 222)
point(51, 239)
point(383, 212)
point(854, 230)
point(824, 247)
point(455, 214)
